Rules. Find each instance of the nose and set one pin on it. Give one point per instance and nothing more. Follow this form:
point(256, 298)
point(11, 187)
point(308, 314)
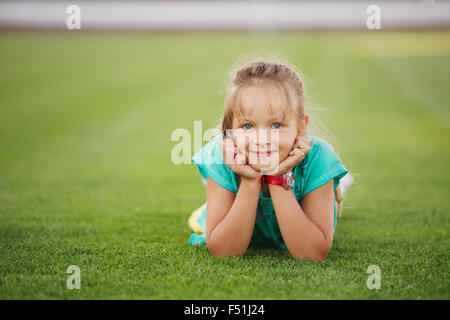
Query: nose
point(263, 138)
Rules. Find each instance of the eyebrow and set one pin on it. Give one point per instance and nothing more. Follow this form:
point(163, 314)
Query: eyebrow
point(270, 119)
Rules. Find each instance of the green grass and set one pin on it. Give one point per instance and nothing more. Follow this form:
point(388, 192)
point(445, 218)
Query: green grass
point(86, 177)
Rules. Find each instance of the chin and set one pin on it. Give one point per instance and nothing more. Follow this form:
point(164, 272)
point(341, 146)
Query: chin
point(259, 167)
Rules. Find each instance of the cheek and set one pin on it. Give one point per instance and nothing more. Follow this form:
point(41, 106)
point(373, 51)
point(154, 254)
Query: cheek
point(244, 148)
point(286, 142)
point(242, 139)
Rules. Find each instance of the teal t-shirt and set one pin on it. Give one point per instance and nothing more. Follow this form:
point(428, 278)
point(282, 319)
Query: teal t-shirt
point(320, 165)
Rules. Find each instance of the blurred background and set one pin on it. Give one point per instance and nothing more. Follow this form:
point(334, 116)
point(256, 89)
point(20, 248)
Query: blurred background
point(269, 15)
point(91, 91)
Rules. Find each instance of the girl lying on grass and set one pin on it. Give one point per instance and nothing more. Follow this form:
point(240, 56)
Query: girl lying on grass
point(268, 183)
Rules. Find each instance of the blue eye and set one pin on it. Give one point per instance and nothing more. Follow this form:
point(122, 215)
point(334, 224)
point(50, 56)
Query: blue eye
point(277, 125)
point(247, 126)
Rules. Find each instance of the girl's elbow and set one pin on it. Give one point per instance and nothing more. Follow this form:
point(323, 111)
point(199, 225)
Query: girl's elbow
point(220, 252)
point(319, 256)
point(216, 252)
point(322, 256)
point(213, 249)
point(223, 254)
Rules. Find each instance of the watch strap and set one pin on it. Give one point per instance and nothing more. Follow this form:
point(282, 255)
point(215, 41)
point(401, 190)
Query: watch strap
point(276, 180)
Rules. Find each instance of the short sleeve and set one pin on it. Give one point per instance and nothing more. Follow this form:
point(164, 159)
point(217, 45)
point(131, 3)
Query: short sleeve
point(323, 165)
point(210, 163)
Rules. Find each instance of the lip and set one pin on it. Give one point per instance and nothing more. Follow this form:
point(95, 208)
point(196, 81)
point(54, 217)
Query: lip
point(263, 153)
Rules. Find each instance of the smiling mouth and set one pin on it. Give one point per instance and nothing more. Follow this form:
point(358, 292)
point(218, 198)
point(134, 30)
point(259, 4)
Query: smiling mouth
point(263, 154)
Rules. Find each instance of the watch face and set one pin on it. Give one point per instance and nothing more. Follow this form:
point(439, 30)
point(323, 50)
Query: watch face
point(289, 180)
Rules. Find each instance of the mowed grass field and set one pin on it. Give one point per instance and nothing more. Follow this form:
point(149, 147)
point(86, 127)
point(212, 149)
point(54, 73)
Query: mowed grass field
point(86, 176)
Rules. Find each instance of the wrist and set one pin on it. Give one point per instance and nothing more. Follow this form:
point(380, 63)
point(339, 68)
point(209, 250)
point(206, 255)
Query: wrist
point(285, 180)
point(276, 188)
point(253, 183)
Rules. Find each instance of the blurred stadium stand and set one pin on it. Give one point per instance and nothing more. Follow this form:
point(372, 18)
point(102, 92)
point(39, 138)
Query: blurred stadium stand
point(224, 15)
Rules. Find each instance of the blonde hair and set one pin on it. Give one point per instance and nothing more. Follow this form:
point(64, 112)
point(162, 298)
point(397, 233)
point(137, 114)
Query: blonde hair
point(263, 73)
point(262, 68)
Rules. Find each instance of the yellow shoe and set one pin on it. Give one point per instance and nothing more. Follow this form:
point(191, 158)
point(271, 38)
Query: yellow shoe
point(193, 224)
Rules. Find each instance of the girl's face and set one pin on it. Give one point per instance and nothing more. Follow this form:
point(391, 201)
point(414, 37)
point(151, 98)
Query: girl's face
point(266, 129)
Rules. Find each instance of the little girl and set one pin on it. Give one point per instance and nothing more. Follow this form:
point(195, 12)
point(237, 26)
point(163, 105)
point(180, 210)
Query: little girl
point(268, 184)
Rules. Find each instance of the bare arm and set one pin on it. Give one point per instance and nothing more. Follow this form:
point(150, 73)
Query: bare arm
point(230, 219)
point(307, 230)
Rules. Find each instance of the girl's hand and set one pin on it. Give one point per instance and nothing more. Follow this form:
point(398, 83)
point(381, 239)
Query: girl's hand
point(296, 155)
point(236, 160)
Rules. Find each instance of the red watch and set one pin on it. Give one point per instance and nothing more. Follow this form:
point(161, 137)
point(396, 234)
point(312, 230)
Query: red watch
point(285, 180)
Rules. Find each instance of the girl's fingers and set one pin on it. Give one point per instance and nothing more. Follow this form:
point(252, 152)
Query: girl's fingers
point(228, 151)
point(297, 143)
point(303, 145)
point(240, 158)
point(289, 162)
point(295, 156)
point(300, 140)
point(300, 145)
point(306, 147)
point(240, 148)
point(233, 154)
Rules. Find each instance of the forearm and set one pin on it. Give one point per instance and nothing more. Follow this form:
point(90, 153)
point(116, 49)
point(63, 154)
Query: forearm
point(233, 234)
point(302, 237)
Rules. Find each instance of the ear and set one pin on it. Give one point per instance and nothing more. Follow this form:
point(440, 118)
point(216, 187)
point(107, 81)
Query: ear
point(306, 122)
point(303, 125)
